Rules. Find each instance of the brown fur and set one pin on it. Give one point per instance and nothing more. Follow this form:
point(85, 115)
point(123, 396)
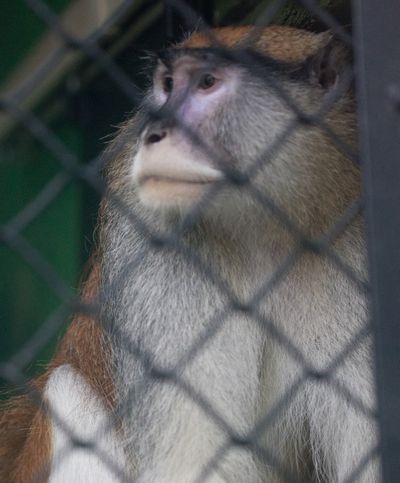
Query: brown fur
point(24, 428)
point(32, 462)
point(286, 44)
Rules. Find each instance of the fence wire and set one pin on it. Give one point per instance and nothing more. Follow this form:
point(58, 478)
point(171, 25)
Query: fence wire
point(71, 170)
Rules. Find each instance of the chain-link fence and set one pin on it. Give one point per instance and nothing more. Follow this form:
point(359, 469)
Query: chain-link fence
point(374, 41)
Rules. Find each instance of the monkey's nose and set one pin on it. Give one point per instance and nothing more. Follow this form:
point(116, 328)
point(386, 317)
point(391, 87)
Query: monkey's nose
point(155, 136)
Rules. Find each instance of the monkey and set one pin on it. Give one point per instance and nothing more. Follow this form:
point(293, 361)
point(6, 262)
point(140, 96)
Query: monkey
point(209, 361)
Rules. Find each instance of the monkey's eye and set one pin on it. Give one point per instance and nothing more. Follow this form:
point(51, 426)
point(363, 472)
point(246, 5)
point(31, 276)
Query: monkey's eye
point(168, 84)
point(207, 81)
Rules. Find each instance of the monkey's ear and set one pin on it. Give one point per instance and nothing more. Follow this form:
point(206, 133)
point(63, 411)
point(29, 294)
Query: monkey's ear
point(326, 66)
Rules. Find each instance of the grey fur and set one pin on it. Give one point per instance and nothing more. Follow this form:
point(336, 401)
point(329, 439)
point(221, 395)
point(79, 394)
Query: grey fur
point(164, 303)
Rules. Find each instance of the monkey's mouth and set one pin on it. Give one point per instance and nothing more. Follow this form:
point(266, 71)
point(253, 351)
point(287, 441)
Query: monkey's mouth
point(170, 180)
point(169, 190)
point(172, 174)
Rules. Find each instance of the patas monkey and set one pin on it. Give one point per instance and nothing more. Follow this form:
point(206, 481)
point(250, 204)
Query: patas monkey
point(211, 114)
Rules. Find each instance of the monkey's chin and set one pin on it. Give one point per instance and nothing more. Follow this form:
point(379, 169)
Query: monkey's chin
point(165, 193)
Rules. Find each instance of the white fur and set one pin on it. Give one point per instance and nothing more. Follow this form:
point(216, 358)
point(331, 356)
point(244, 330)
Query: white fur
point(84, 414)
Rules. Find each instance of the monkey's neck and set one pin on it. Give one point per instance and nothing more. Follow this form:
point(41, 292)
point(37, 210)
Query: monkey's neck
point(161, 294)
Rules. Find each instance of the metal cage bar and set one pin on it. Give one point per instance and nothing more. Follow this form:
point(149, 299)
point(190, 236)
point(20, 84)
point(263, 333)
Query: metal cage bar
point(378, 74)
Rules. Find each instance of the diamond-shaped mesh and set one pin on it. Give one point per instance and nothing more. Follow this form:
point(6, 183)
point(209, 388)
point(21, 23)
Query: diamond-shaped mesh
point(71, 170)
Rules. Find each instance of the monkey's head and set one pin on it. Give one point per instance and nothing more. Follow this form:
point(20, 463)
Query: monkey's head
point(218, 107)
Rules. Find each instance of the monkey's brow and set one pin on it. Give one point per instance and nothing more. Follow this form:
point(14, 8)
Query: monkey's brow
point(246, 58)
point(211, 54)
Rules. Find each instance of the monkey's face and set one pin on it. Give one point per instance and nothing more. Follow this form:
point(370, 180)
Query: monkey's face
point(174, 164)
point(179, 156)
point(204, 118)
point(210, 115)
